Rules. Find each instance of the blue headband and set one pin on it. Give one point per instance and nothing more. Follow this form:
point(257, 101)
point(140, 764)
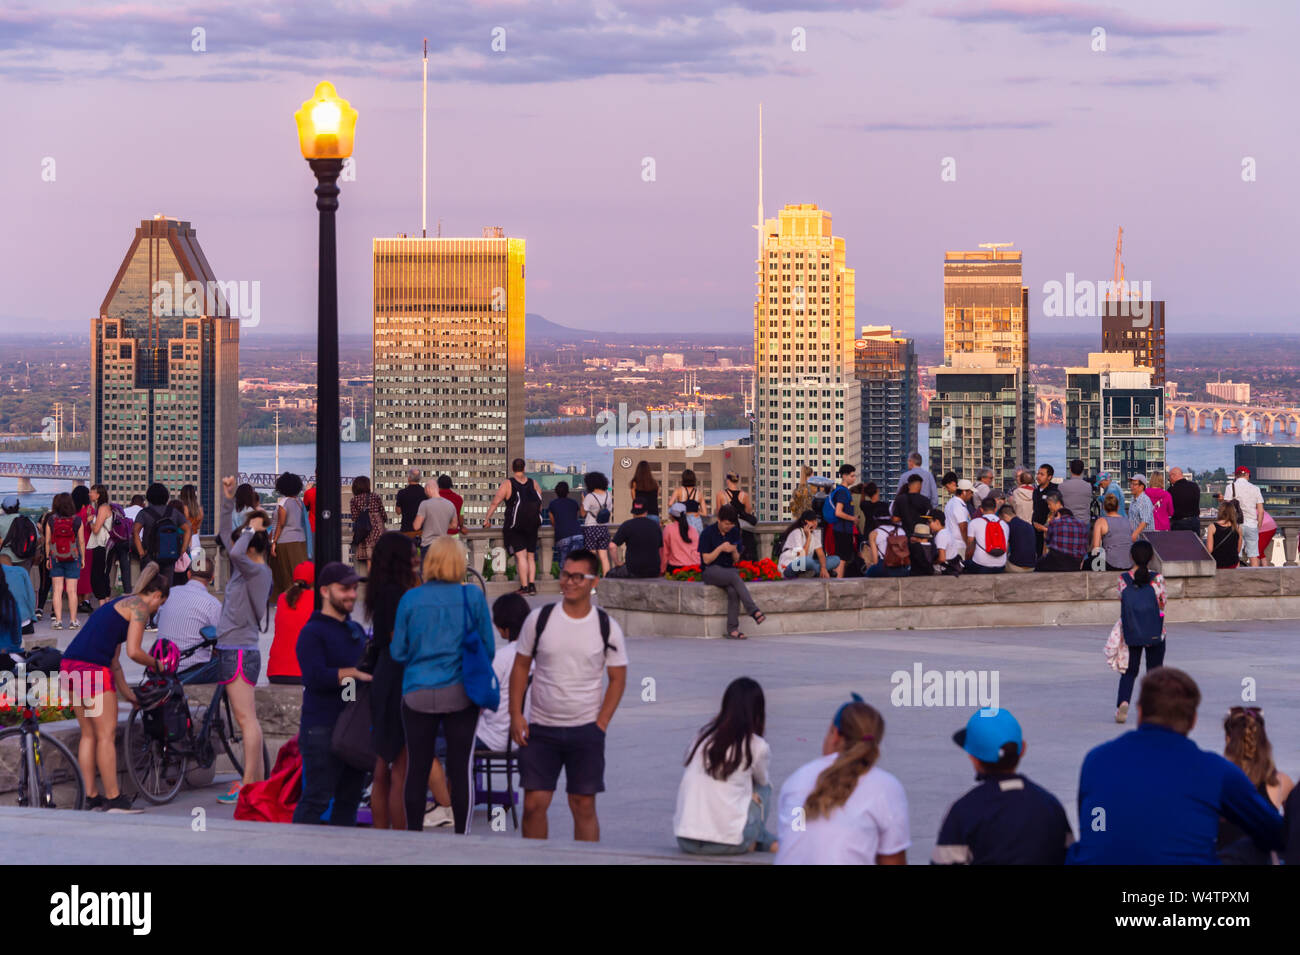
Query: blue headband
point(843, 706)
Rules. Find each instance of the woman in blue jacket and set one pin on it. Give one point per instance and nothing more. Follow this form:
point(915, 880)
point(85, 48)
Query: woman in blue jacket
point(428, 639)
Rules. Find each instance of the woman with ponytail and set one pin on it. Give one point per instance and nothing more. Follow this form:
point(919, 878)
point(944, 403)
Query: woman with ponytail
point(1142, 616)
point(1246, 745)
point(842, 809)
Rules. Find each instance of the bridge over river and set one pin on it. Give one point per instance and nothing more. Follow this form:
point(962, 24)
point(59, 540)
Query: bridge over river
point(27, 472)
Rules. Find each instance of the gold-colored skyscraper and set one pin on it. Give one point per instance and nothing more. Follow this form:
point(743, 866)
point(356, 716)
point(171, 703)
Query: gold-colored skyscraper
point(806, 398)
point(449, 363)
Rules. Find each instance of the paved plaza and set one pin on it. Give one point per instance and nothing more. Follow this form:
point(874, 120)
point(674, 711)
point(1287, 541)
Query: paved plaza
point(1053, 679)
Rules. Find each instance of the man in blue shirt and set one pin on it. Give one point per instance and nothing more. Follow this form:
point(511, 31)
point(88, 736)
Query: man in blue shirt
point(1006, 819)
point(928, 487)
point(842, 527)
point(1153, 797)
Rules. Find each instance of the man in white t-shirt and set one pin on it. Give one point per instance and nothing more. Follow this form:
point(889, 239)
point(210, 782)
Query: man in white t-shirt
point(978, 558)
point(1252, 511)
point(571, 709)
point(956, 513)
point(869, 828)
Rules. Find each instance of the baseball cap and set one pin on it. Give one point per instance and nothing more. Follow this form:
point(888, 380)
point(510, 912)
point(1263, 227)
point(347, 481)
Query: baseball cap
point(1241, 469)
point(1103, 476)
point(965, 485)
point(921, 530)
point(677, 510)
point(11, 500)
point(987, 732)
point(1139, 477)
point(337, 572)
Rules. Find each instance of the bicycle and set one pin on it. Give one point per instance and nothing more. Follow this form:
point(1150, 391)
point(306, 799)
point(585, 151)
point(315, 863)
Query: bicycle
point(158, 767)
point(472, 576)
point(49, 776)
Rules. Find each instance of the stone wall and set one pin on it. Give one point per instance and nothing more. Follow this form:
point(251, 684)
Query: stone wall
point(673, 609)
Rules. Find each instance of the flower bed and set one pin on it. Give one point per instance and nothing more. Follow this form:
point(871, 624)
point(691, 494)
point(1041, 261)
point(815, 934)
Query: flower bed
point(750, 571)
point(13, 715)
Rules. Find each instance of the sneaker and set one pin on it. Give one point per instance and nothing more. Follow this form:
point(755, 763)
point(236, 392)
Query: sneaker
point(1121, 714)
point(231, 795)
point(439, 817)
point(57, 625)
point(94, 802)
point(73, 624)
point(122, 804)
point(532, 590)
point(39, 615)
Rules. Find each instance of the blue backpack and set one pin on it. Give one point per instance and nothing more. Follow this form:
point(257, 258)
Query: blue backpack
point(1139, 611)
point(828, 505)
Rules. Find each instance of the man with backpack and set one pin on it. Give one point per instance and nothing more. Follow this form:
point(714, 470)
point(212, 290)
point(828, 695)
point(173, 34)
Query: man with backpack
point(1251, 504)
point(986, 547)
point(570, 646)
point(837, 512)
point(19, 538)
point(523, 520)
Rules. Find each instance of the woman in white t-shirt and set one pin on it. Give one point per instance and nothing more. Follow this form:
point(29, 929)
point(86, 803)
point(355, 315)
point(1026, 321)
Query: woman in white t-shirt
point(725, 793)
point(802, 553)
point(841, 809)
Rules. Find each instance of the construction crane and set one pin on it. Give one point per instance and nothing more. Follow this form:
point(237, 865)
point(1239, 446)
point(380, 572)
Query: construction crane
point(1117, 280)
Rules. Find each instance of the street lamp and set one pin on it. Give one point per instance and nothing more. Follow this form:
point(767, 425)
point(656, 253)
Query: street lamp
point(326, 124)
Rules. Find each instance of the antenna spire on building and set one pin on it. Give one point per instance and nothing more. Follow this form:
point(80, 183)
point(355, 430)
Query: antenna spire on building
point(759, 226)
point(424, 148)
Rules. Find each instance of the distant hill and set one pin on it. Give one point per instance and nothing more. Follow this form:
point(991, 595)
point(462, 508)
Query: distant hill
point(542, 331)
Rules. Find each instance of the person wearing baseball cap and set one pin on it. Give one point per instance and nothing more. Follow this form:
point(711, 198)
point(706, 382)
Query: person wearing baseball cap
point(1142, 512)
point(1006, 819)
point(1106, 487)
point(956, 513)
point(329, 648)
point(842, 809)
point(1251, 502)
point(643, 540)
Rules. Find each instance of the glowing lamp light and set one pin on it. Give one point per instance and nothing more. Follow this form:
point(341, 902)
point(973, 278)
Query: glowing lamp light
point(326, 124)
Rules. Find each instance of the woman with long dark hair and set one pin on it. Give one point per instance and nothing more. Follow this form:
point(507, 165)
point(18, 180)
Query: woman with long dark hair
point(365, 501)
point(645, 489)
point(1247, 746)
point(689, 496)
point(842, 809)
point(1223, 538)
point(98, 519)
point(247, 500)
point(293, 609)
point(394, 569)
point(1142, 615)
point(725, 793)
point(189, 498)
point(289, 540)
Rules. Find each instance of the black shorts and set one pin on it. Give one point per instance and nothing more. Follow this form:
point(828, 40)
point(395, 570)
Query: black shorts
point(578, 750)
point(518, 542)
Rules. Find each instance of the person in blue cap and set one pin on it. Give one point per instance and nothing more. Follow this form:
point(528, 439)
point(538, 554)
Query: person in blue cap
point(1007, 819)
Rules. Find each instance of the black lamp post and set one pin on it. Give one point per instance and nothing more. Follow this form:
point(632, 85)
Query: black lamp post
point(326, 126)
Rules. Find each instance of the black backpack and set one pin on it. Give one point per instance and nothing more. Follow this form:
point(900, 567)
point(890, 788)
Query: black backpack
point(526, 512)
point(22, 538)
point(361, 528)
point(165, 711)
point(165, 540)
point(545, 615)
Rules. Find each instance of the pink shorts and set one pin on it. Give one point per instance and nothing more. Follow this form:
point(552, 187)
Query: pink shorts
point(87, 684)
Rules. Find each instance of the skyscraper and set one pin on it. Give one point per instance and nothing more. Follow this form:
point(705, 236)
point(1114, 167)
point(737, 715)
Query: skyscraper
point(1137, 328)
point(807, 400)
point(978, 417)
point(885, 366)
point(449, 362)
point(1114, 416)
point(986, 311)
point(164, 373)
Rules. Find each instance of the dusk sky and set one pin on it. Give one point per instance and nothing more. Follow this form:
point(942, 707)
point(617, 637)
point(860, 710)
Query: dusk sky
point(1055, 146)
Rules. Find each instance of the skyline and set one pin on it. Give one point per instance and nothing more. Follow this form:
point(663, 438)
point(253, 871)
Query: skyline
point(1041, 128)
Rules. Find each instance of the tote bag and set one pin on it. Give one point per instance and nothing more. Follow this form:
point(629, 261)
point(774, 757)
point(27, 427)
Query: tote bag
point(477, 675)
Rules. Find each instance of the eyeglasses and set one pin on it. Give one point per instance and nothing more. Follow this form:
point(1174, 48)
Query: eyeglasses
point(576, 578)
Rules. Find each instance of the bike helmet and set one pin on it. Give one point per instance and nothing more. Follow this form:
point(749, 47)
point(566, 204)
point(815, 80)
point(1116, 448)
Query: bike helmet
point(166, 655)
point(152, 693)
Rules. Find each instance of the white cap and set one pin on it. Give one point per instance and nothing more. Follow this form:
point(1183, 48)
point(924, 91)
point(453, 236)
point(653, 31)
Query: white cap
point(965, 485)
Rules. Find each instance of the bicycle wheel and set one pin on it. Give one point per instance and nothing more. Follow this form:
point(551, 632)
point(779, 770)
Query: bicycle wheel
point(52, 779)
point(157, 769)
point(472, 576)
point(232, 738)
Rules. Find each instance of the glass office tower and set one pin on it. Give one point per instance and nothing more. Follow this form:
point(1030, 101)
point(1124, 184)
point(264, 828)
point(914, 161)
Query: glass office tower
point(885, 366)
point(449, 363)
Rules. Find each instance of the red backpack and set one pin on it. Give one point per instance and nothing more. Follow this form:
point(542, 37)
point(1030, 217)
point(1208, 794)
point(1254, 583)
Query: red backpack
point(995, 542)
point(63, 534)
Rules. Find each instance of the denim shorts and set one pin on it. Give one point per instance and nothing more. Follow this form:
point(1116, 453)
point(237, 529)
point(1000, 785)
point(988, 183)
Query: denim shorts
point(578, 750)
point(238, 662)
point(1250, 536)
point(70, 568)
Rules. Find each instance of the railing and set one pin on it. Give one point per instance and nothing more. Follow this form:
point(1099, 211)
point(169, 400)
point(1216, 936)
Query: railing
point(485, 543)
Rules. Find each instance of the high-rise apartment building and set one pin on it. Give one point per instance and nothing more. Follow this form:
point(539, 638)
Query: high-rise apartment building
point(886, 369)
point(807, 400)
point(978, 418)
point(986, 312)
point(1233, 392)
point(164, 371)
point(1138, 328)
point(1114, 417)
point(449, 363)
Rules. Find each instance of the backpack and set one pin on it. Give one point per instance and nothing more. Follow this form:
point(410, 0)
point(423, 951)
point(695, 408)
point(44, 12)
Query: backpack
point(897, 551)
point(165, 540)
point(995, 542)
point(602, 515)
point(22, 538)
point(545, 615)
point(167, 718)
point(828, 505)
point(1139, 611)
point(120, 526)
point(361, 527)
point(526, 514)
point(63, 534)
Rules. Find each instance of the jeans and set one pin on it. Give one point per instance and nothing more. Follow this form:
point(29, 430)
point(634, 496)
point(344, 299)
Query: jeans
point(421, 739)
point(565, 545)
point(326, 777)
point(728, 578)
point(1186, 524)
point(806, 564)
point(1155, 658)
point(974, 568)
point(878, 569)
point(755, 837)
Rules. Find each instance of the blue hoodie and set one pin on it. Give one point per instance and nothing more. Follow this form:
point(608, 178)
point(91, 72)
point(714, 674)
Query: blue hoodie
point(429, 633)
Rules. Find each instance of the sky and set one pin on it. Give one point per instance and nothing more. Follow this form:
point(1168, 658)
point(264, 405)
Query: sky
point(1054, 143)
